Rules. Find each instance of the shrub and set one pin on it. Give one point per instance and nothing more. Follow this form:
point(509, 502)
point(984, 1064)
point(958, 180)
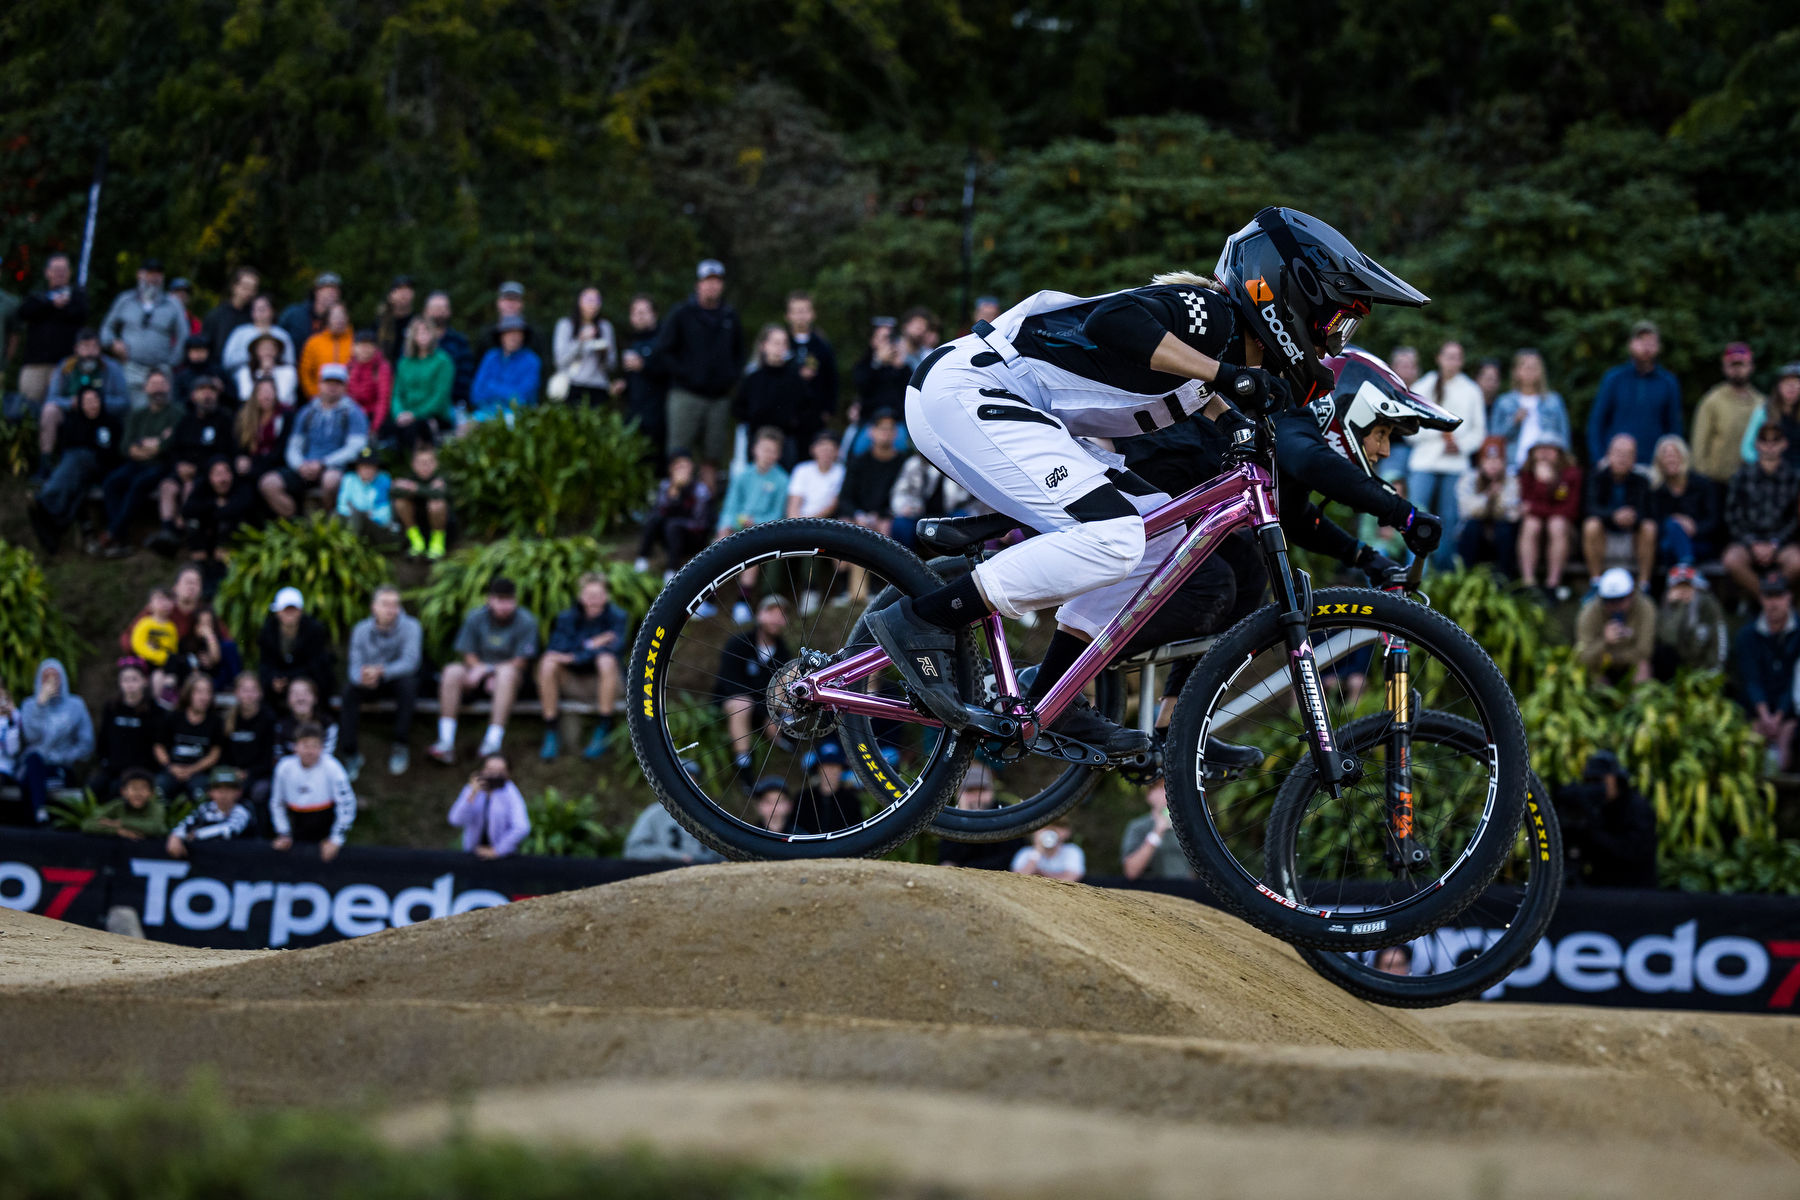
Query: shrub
point(546, 470)
point(1509, 624)
point(1690, 749)
point(546, 572)
point(18, 447)
point(32, 625)
point(1747, 865)
point(568, 828)
point(1567, 717)
point(334, 569)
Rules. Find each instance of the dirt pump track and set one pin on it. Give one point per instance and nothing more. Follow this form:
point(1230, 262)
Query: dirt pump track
point(984, 1033)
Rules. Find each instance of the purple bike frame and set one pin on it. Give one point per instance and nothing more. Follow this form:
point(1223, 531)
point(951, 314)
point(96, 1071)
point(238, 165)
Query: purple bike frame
point(1241, 497)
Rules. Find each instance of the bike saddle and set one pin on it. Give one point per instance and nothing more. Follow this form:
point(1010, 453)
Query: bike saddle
point(954, 535)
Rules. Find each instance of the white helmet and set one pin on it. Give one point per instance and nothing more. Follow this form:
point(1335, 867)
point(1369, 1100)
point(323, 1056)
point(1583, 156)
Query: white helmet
point(1368, 392)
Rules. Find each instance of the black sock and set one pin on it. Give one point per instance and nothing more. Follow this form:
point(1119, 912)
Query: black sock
point(1059, 656)
point(953, 605)
point(606, 721)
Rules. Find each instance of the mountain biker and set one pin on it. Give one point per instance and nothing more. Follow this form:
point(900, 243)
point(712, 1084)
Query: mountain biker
point(1000, 411)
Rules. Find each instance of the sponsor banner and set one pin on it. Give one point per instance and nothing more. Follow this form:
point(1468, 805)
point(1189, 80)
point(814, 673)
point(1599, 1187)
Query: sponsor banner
point(1630, 949)
point(247, 896)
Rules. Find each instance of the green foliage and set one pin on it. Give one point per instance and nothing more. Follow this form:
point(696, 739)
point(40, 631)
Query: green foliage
point(568, 827)
point(1761, 865)
point(700, 735)
point(335, 570)
point(1508, 623)
point(18, 447)
point(1567, 717)
point(32, 624)
point(549, 469)
point(72, 813)
point(1691, 750)
point(546, 573)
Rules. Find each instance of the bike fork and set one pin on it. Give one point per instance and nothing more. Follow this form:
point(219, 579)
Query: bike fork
point(1403, 851)
point(1335, 767)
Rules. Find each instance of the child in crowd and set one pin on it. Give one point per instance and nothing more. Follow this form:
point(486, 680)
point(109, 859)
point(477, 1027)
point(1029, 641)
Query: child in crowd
point(754, 496)
point(136, 814)
point(814, 486)
point(1487, 500)
point(303, 710)
point(311, 800)
point(363, 497)
point(191, 739)
point(220, 817)
point(424, 486)
point(371, 381)
point(153, 638)
point(680, 518)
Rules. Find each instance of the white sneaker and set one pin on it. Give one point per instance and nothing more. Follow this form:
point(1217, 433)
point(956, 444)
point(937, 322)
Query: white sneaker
point(707, 610)
point(490, 744)
point(641, 565)
point(809, 603)
point(741, 614)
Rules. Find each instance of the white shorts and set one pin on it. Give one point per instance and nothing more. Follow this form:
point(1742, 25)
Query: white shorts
point(971, 424)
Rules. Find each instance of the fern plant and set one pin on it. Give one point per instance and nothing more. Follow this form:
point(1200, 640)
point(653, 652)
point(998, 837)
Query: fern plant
point(18, 447)
point(564, 827)
point(1507, 623)
point(1690, 749)
point(546, 470)
point(32, 626)
point(547, 574)
point(1568, 716)
point(335, 570)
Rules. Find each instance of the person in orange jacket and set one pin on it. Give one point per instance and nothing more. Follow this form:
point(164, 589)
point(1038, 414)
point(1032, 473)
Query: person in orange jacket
point(331, 344)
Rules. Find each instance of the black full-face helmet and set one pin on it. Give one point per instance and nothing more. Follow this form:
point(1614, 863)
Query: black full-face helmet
point(1302, 288)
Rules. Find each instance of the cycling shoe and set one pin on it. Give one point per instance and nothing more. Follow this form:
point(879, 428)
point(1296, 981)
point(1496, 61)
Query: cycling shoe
point(1082, 723)
point(922, 653)
point(1227, 760)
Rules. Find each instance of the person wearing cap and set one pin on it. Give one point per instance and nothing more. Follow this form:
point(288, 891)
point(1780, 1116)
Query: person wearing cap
point(1781, 408)
point(772, 805)
point(86, 367)
point(1617, 504)
point(509, 301)
point(303, 318)
point(240, 342)
point(1762, 513)
point(395, 316)
point(293, 645)
point(266, 362)
point(1609, 828)
point(327, 436)
point(196, 363)
point(182, 289)
point(147, 453)
point(231, 312)
point(87, 447)
point(332, 344)
point(1690, 626)
point(701, 345)
point(136, 813)
point(740, 685)
point(146, 327)
point(203, 433)
point(371, 381)
point(495, 646)
point(1615, 632)
point(1149, 849)
point(363, 497)
point(1487, 503)
point(1530, 412)
point(220, 817)
point(828, 799)
point(1724, 415)
point(817, 359)
point(508, 376)
point(52, 316)
point(1637, 397)
point(1685, 505)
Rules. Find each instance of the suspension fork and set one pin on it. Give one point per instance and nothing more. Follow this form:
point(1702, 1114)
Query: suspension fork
point(1334, 766)
point(1403, 850)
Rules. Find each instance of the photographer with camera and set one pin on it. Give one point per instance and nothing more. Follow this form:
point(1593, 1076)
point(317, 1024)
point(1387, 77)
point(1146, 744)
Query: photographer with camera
point(491, 811)
point(1609, 829)
point(1052, 855)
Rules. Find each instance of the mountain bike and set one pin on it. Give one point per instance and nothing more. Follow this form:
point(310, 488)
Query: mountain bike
point(1263, 676)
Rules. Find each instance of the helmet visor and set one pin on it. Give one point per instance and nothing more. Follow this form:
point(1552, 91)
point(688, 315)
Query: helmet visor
point(1335, 332)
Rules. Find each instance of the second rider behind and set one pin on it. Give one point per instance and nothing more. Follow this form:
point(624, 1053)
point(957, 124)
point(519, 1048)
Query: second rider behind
point(1001, 411)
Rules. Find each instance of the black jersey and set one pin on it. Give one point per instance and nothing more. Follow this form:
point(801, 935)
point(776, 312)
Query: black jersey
point(1109, 340)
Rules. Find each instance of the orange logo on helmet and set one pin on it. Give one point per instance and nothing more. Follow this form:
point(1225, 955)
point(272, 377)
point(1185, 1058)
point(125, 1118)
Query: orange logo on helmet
point(1259, 291)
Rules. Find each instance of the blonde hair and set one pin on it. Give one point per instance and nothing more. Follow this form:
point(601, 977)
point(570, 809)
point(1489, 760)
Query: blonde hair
point(1188, 277)
point(1657, 478)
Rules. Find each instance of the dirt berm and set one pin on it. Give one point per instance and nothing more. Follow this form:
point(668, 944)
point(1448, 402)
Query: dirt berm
point(986, 1033)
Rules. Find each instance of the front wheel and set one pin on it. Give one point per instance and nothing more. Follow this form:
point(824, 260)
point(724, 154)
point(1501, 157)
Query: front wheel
point(1405, 855)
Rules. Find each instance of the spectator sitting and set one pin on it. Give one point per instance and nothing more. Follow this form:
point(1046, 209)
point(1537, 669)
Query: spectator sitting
point(145, 328)
point(56, 733)
point(756, 495)
point(204, 643)
point(240, 346)
point(1760, 513)
point(306, 317)
point(1148, 850)
point(12, 739)
point(231, 314)
point(327, 435)
point(745, 665)
point(148, 450)
point(303, 709)
point(645, 379)
point(1437, 457)
point(491, 811)
point(196, 364)
point(1781, 408)
point(452, 342)
point(508, 375)
point(266, 362)
point(86, 367)
point(363, 501)
point(701, 346)
point(1685, 504)
point(129, 725)
point(137, 813)
point(1615, 632)
point(1052, 855)
point(191, 740)
point(829, 800)
point(1618, 502)
point(585, 640)
point(868, 489)
point(924, 491)
point(773, 804)
point(204, 432)
point(495, 643)
point(292, 646)
point(1765, 653)
point(1487, 500)
point(385, 660)
point(1636, 397)
point(259, 433)
point(658, 837)
point(881, 374)
point(220, 817)
point(774, 395)
point(427, 486)
point(52, 316)
point(1609, 829)
point(1724, 416)
point(424, 381)
point(814, 486)
point(586, 351)
point(152, 637)
point(214, 512)
point(311, 800)
point(371, 380)
point(250, 739)
point(1394, 960)
point(87, 446)
point(1690, 627)
point(1530, 412)
point(977, 795)
point(332, 344)
point(818, 368)
point(680, 516)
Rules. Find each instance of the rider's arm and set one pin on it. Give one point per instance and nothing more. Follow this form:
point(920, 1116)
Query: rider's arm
point(1303, 453)
point(1136, 329)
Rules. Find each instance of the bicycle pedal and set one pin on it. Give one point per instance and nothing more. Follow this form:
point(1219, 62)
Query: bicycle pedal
point(1054, 745)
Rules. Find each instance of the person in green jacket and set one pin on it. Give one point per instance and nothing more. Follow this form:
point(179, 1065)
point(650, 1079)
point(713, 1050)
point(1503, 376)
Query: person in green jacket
point(422, 383)
point(137, 813)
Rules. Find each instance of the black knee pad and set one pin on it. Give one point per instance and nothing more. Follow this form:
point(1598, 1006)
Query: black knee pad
point(1104, 503)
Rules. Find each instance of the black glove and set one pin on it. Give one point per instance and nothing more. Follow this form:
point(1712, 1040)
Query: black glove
point(1249, 388)
point(1231, 422)
point(1383, 572)
point(1422, 531)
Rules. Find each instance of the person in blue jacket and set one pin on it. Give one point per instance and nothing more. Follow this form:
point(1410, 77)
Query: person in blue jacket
point(1765, 654)
point(508, 375)
point(585, 641)
point(57, 735)
point(1637, 397)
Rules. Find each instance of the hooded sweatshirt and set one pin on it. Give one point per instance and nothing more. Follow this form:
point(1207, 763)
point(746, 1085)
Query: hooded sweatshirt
point(61, 731)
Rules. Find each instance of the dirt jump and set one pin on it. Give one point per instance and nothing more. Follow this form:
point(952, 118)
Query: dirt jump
point(980, 1033)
